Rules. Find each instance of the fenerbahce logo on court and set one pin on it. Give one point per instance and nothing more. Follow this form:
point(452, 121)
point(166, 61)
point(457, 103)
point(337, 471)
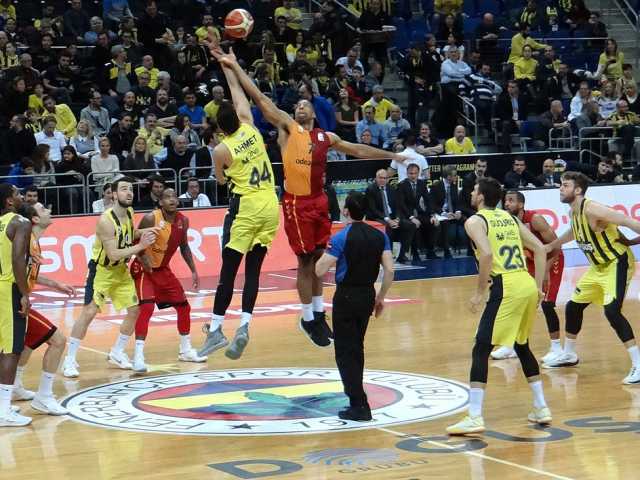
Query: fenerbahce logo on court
point(261, 402)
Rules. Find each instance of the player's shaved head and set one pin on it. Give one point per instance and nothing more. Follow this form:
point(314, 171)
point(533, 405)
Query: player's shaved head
point(514, 202)
point(169, 200)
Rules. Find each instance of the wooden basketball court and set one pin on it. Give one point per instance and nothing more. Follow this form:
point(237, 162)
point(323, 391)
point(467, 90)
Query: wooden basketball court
point(426, 330)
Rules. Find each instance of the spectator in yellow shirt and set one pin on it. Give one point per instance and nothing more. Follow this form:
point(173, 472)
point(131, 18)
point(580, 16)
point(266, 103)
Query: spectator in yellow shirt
point(459, 144)
point(521, 39)
point(524, 68)
point(382, 105)
point(211, 108)
point(65, 119)
point(610, 62)
point(147, 65)
point(207, 27)
point(153, 134)
point(36, 99)
point(7, 10)
point(291, 13)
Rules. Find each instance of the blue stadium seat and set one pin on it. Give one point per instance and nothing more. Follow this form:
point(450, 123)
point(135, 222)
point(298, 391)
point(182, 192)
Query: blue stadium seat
point(401, 35)
point(470, 8)
point(470, 25)
point(490, 6)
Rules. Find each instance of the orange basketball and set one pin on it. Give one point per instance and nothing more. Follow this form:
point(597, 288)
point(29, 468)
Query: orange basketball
point(238, 23)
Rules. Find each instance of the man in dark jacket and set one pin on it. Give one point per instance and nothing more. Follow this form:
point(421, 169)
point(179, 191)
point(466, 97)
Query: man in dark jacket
point(381, 207)
point(121, 135)
point(445, 200)
point(511, 109)
point(519, 177)
point(414, 205)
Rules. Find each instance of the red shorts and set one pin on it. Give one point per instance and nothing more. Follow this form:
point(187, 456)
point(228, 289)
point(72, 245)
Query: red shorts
point(160, 286)
point(306, 222)
point(39, 330)
point(555, 278)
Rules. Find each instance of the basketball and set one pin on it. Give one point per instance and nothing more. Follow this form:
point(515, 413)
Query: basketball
point(238, 23)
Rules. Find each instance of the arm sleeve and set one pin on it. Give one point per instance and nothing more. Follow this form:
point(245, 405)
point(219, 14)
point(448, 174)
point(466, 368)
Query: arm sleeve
point(337, 242)
point(387, 243)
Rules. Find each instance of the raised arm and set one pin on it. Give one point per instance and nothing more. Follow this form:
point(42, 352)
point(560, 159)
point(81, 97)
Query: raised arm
point(106, 233)
point(360, 150)
point(272, 114)
point(240, 102)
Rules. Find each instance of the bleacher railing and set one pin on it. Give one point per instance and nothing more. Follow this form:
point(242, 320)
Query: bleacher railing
point(630, 13)
point(208, 181)
point(67, 197)
point(93, 189)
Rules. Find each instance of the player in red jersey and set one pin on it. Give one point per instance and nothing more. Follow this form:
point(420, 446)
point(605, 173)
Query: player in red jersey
point(155, 282)
point(39, 329)
point(514, 204)
point(306, 208)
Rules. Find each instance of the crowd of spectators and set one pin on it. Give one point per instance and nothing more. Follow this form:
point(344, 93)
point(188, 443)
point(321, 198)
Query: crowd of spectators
point(91, 89)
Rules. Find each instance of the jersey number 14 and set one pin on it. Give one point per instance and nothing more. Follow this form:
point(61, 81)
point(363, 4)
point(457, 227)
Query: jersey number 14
point(256, 177)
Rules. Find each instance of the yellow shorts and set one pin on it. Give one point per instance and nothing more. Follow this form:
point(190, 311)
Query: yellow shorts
point(115, 283)
point(602, 284)
point(251, 220)
point(510, 311)
point(13, 326)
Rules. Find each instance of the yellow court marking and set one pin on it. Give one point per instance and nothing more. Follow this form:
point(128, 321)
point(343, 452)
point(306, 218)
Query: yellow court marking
point(228, 398)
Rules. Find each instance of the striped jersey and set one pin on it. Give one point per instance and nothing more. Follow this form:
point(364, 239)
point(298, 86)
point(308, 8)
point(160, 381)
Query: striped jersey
point(124, 238)
point(600, 248)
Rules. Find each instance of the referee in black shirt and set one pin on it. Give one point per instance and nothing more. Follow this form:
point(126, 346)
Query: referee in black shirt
point(358, 250)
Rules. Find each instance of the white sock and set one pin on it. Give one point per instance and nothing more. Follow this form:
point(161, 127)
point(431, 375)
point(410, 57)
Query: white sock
point(318, 303)
point(570, 345)
point(538, 394)
point(19, 372)
point(46, 384)
point(245, 318)
point(185, 343)
point(121, 342)
point(307, 312)
point(476, 397)
point(72, 347)
point(634, 353)
point(556, 345)
point(216, 322)
point(139, 349)
point(5, 399)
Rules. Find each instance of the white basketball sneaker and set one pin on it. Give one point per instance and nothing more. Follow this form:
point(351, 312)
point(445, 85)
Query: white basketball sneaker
point(541, 416)
point(120, 359)
point(14, 419)
point(467, 425)
point(20, 393)
point(503, 353)
point(633, 377)
point(563, 359)
point(139, 366)
point(48, 405)
point(191, 356)
point(70, 368)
